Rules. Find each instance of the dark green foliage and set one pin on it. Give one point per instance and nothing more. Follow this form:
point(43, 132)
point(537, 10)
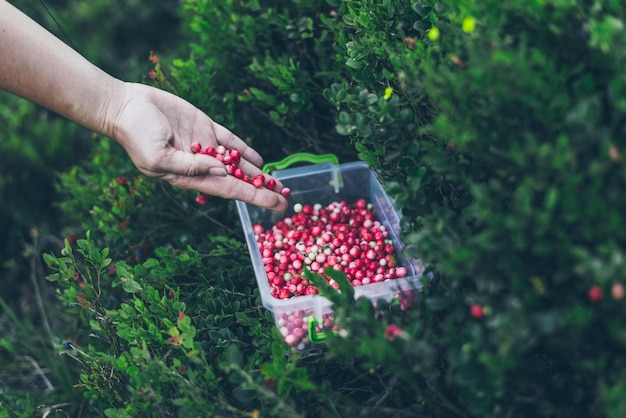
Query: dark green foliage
point(35, 145)
point(260, 68)
point(497, 127)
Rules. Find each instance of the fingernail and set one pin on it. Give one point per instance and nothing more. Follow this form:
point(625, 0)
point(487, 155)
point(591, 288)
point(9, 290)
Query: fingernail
point(217, 171)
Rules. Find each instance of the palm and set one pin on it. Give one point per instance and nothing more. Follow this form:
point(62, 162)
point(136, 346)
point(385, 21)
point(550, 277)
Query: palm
point(157, 128)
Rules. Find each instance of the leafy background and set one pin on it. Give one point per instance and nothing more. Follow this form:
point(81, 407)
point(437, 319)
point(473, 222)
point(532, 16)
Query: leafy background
point(498, 129)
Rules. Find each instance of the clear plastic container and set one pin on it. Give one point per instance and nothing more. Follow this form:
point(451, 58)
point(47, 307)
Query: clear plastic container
point(304, 320)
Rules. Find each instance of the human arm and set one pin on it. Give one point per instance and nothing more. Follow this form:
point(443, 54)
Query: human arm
point(155, 128)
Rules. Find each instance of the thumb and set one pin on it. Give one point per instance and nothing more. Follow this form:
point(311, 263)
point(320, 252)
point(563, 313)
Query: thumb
point(191, 165)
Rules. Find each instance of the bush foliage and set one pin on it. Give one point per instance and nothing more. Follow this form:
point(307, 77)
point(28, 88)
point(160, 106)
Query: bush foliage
point(496, 127)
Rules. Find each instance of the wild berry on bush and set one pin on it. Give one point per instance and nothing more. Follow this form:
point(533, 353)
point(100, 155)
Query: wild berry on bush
point(595, 294)
point(201, 199)
point(340, 236)
point(392, 332)
point(477, 311)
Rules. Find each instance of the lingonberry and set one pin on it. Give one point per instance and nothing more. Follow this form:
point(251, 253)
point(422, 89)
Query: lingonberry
point(201, 199)
point(595, 294)
point(231, 159)
point(312, 239)
point(235, 155)
point(210, 151)
point(196, 147)
point(258, 181)
point(477, 311)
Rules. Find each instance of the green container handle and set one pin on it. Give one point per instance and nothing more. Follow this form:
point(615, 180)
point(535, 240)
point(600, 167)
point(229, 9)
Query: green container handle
point(300, 157)
point(317, 337)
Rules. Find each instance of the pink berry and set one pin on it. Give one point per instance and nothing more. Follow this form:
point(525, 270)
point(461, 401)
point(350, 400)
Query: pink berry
point(401, 272)
point(617, 291)
point(235, 155)
point(201, 199)
point(286, 191)
point(477, 311)
point(290, 339)
point(595, 294)
point(195, 147)
point(312, 238)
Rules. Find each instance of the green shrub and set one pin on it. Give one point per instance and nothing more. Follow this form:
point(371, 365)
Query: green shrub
point(260, 69)
point(513, 197)
point(495, 126)
point(36, 145)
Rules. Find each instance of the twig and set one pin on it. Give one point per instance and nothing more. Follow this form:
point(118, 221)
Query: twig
point(34, 281)
point(40, 372)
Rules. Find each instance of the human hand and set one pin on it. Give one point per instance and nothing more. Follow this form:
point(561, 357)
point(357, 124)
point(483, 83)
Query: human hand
point(157, 128)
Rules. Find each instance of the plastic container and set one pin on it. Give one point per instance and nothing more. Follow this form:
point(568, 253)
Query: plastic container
point(306, 320)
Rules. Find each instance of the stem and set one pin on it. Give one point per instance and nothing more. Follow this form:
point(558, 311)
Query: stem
point(35, 282)
point(38, 371)
point(286, 410)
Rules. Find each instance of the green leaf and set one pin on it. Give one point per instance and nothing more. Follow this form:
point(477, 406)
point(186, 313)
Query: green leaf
point(242, 318)
point(130, 285)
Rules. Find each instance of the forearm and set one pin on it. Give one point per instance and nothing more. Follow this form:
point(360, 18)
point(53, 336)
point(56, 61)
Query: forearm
point(37, 66)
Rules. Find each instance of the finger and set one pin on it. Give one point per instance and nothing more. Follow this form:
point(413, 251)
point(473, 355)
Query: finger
point(187, 164)
point(225, 137)
point(207, 175)
point(230, 187)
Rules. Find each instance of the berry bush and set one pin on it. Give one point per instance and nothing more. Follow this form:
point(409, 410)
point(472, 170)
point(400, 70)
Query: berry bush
point(498, 129)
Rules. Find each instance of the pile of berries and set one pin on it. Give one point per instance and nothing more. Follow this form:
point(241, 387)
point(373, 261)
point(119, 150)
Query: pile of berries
point(339, 236)
point(294, 326)
point(231, 158)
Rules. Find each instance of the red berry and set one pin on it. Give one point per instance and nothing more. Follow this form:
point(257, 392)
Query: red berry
point(210, 151)
point(595, 294)
point(258, 181)
point(286, 191)
point(235, 155)
point(271, 184)
point(195, 147)
point(312, 237)
point(477, 311)
point(201, 199)
point(238, 173)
